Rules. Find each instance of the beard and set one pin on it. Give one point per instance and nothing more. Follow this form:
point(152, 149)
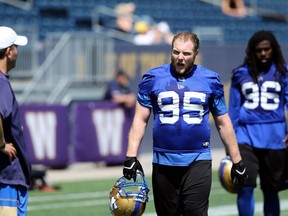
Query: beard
point(182, 68)
point(264, 64)
point(11, 64)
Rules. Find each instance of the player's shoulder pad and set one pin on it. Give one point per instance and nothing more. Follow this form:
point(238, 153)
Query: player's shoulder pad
point(207, 72)
point(240, 70)
point(158, 70)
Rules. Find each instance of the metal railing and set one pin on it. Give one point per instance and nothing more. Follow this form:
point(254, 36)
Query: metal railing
point(75, 59)
point(71, 59)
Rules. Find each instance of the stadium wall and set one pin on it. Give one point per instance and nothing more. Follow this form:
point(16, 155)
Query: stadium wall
point(96, 131)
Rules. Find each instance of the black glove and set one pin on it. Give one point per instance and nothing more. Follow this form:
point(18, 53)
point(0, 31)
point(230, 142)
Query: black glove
point(239, 173)
point(131, 165)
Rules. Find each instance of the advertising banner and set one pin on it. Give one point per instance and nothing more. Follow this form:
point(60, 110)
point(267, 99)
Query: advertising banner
point(58, 135)
point(99, 131)
point(46, 133)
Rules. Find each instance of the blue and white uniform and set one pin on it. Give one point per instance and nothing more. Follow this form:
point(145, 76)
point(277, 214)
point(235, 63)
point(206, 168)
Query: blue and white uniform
point(181, 106)
point(257, 110)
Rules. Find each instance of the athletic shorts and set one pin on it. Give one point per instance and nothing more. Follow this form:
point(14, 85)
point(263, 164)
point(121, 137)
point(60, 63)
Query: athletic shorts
point(269, 164)
point(13, 200)
point(182, 190)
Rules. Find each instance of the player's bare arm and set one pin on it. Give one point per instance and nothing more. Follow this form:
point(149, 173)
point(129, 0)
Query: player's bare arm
point(138, 127)
point(227, 135)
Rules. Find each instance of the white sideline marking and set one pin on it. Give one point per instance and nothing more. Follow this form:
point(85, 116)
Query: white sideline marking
point(224, 210)
point(68, 205)
point(68, 196)
point(74, 196)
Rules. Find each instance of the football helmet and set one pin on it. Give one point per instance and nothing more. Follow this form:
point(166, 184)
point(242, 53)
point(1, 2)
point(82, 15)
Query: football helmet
point(129, 198)
point(224, 174)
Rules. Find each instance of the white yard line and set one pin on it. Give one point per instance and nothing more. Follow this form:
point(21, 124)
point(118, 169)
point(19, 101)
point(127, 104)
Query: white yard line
point(224, 210)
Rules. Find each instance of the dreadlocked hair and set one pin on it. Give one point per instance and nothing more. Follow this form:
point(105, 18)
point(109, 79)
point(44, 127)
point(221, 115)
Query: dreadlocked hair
point(277, 58)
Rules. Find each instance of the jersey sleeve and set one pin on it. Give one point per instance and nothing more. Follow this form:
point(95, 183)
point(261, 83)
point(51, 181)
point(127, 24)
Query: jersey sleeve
point(219, 106)
point(218, 87)
point(234, 100)
point(145, 88)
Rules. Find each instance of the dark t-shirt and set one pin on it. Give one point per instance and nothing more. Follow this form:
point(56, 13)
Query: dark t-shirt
point(115, 89)
point(18, 171)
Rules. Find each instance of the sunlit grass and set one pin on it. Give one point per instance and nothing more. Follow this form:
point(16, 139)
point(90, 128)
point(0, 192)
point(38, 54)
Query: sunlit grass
point(87, 198)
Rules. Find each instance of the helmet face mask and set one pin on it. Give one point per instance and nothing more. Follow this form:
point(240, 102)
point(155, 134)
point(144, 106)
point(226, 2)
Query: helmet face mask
point(128, 197)
point(224, 174)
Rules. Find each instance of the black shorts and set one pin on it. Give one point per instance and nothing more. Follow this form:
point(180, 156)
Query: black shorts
point(269, 164)
point(182, 190)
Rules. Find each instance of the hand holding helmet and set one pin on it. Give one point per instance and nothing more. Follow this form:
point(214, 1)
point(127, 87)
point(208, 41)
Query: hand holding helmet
point(131, 165)
point(129, 197)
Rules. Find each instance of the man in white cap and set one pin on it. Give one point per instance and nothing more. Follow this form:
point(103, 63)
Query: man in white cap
point(15, 167)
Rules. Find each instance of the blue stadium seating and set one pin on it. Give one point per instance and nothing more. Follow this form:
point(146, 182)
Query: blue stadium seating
point(182, 15)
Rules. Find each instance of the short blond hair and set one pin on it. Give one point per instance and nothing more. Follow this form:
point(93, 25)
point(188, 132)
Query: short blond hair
point(187, 36)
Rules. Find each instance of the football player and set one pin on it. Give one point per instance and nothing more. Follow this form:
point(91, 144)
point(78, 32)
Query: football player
point(258, 96)
point(181, 95)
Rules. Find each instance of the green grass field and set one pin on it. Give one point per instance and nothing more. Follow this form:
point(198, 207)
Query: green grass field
point(89, 198)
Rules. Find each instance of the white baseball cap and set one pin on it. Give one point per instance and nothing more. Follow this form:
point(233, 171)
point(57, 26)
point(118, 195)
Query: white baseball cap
point(9, 37)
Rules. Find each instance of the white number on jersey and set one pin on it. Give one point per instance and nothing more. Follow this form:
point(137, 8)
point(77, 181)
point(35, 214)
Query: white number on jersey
point(174, 107)
point(255, 97)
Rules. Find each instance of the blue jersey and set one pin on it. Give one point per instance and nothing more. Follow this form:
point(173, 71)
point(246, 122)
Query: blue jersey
point(181, 107)
point(257, 110)
point(18, 171)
